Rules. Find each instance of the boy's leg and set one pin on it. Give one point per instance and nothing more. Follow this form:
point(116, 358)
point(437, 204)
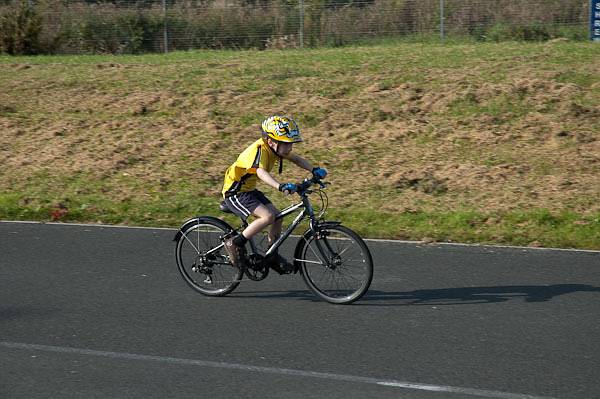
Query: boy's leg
point(275, 230)
point(235, 246)
point(276, 261)
point(243, 205)
point(264, 217)
point(265, 212)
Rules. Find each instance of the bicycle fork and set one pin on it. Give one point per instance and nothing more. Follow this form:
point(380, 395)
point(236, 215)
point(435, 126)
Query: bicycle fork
point(328, 257)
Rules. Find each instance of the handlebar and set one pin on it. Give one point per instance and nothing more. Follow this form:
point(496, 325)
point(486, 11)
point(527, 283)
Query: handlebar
point(303, 187)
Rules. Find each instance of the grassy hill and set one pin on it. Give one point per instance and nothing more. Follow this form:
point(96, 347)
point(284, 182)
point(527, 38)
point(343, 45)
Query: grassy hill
point(495, 143)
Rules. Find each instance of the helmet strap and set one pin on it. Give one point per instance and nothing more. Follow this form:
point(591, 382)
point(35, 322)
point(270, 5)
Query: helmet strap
point(276, 153)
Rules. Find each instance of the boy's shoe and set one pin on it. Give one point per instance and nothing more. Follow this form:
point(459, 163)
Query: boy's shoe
point(279, 264)
point(237, 254)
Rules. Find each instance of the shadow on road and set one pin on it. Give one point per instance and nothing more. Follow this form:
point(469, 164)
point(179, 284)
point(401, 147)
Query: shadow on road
point(21, 312)
point(444, 296)
point(473, 295)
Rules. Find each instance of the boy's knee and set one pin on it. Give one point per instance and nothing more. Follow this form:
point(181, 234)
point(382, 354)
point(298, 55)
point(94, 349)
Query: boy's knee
point(265, 215)
point(270, 218)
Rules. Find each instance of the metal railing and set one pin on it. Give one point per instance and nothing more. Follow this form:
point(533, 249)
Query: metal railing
point(122, 26)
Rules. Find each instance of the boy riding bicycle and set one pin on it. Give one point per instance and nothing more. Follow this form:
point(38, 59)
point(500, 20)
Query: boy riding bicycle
point(279, 133)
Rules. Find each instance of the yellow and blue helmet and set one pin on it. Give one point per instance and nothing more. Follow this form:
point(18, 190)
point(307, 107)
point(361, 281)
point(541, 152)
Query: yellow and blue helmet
point(281, 128)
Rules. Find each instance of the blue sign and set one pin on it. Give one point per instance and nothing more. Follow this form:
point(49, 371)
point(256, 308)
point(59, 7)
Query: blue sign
point(595, 20)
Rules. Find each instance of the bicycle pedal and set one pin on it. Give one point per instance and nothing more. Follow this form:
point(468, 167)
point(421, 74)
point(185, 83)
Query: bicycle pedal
point(281, 269)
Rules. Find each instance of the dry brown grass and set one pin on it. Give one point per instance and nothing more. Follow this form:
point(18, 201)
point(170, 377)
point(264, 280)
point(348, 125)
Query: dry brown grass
point(491, 128)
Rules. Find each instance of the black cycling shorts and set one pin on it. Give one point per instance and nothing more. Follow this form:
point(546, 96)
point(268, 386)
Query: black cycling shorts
point(244, 204)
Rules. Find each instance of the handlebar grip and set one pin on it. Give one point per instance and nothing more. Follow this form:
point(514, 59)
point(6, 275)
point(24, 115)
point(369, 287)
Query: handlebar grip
point(306, 183)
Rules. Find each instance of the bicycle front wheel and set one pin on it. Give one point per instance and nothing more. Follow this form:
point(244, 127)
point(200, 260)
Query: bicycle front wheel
point(202, 259)
point(337, 266)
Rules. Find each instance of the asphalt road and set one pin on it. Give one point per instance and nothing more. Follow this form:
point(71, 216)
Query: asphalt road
point(99, 312)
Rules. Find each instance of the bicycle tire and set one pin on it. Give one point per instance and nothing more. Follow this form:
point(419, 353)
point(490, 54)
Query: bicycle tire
point(336, 287)
point(196, 238)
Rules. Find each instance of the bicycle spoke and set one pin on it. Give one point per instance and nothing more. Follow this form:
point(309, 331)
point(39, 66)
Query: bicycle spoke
point(347, 273)
point(192, 244)
point(201, 261)
point(342, 252)
point(198, 237)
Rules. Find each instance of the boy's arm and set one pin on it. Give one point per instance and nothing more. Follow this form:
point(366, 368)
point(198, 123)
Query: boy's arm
point(267, 178)
point(286, 188)
point(301, 162)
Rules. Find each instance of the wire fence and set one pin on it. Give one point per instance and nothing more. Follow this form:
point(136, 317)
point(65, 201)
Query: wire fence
point(136, 26)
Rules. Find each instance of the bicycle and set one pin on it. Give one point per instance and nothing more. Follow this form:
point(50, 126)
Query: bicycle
point(333, 260)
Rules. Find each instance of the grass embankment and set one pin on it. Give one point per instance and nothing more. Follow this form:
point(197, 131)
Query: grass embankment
point(494, 143)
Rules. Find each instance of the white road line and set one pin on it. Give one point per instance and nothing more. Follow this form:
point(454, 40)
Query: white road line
point(483, 393)
point(484, 246)
point(109, 226)
point(419, 243)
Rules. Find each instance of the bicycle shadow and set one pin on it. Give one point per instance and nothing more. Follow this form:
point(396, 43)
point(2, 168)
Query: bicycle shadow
point(474, 295)
point(300, 294)
point(443, 296)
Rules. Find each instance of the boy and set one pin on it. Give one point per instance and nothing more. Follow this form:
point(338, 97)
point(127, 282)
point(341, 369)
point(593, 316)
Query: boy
point(279, 133)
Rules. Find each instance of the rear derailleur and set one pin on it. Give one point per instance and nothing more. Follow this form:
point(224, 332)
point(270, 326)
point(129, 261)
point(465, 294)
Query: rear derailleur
point(199, 266)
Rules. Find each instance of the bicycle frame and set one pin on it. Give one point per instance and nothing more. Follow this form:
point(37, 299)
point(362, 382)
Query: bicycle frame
point(307, 210)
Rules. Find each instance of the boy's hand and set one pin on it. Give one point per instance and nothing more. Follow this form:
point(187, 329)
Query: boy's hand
point(289, 187)
point(319, 173)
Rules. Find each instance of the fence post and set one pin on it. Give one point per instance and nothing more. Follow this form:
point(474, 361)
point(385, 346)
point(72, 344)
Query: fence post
point(301, 27)
point(595, 20)
point(165, 34)
point(442, 32)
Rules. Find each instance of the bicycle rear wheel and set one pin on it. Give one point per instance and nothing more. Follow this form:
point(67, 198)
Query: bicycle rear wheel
point(202, 259)
point(338, 267)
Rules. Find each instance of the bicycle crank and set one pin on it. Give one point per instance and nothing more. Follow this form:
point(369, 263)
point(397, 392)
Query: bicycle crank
point(256, 269)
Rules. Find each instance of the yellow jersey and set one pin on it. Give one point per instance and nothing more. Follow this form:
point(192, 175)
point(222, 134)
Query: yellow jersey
point(241, 176)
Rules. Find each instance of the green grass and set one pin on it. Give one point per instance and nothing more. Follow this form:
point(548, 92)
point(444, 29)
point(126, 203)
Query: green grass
point(534, 227)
